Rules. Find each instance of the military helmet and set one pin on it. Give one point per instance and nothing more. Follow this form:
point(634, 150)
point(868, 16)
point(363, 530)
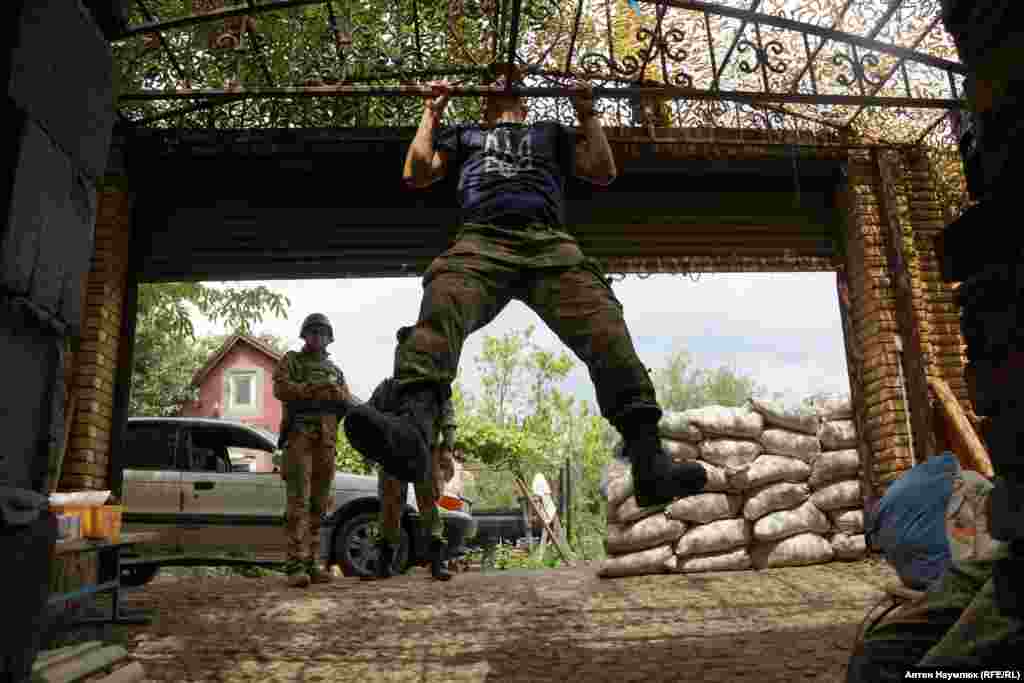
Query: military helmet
point(316, 319)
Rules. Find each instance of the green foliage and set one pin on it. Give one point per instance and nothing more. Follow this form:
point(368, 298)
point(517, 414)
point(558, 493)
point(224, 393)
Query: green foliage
point(167, 353)
point(682, 386)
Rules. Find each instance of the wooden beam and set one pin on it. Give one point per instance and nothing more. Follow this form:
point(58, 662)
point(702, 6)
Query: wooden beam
point(906, 316)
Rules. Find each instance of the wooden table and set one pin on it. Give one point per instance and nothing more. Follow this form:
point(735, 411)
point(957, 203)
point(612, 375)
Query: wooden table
point(108, 576)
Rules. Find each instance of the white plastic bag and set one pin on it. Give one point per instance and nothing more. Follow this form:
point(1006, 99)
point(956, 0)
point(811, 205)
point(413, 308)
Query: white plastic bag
point(628, 511)
point(733, 560)
point(680, 451)
point(847, 547)
point(850, 522)
point(833, 407)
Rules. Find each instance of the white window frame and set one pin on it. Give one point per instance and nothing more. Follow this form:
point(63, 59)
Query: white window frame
point(231, 408)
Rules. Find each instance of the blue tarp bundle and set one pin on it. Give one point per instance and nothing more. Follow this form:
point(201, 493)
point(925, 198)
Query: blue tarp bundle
point(908, 525)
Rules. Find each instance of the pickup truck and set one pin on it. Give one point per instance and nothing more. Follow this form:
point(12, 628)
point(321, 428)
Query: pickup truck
point(179, 480)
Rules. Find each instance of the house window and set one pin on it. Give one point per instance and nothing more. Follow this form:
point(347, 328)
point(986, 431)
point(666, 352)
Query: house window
point(242, 392)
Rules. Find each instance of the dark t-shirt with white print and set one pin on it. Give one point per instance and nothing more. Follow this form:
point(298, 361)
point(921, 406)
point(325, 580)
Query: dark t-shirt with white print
point(511, 173)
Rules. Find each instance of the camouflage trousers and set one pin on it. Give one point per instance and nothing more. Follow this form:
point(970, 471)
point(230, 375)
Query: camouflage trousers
point(468, 286)
point(956, 623)
point(392, 498)
point(309, 465)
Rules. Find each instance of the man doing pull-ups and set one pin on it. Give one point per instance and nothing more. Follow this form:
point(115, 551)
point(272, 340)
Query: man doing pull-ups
point(513, 243)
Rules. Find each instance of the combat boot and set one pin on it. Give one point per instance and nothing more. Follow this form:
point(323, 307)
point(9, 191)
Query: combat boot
point(317, 573)
point(438, 560)
point(399, 441)
point(657, 479)
point(383, 566)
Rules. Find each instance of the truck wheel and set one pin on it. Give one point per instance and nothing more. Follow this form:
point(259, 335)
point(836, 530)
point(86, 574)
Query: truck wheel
point(139, 575)
point(355, 546)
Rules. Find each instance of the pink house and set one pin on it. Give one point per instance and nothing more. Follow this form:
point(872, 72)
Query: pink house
point(236, 383)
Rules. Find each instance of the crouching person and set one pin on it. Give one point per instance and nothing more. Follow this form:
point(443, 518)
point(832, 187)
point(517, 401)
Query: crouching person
point(315, 396)
point(393, 491)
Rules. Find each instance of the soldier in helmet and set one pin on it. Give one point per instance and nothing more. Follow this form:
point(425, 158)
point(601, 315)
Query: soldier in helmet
point(315, 397)
point(393, 490)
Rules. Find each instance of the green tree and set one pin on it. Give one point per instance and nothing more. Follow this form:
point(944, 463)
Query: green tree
point(167, 353)
point(680, 385)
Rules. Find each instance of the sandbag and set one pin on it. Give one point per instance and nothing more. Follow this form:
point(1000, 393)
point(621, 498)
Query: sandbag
point(792, 552)
point(628, 511)
point(849, 547)
point(714, 537)
point(769, 469)
point(705, 507)
point(842, 494)
point(652, 561)
point(680, 451)
point(677, 425)
point(838, 434)
point(781, 496)
point(850, 522)
point(833, 407)
point(730, 453)
point(718, 480)
point(726, 421)
point(832, 466)
point(967, 519)
point(620, 483)
point(908, 525)
point(796, 418)
point(783, 442)
point(784, 523)
point(733, 560)
point(647, 533)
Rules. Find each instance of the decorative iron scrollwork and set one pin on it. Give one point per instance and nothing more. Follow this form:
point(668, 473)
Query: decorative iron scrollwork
point(859, 68)
point(654, 43)
point(761, 56)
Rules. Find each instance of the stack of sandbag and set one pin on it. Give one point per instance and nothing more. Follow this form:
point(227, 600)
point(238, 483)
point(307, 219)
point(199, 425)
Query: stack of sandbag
point(639, 540)
point(835, 478)
point(783, 490)
point(786, 527)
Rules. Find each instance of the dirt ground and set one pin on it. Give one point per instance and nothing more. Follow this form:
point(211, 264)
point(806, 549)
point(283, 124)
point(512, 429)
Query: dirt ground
point(793, 624)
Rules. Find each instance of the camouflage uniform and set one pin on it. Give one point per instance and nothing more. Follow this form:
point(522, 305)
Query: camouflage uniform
point(310, 450)
point(468, 285)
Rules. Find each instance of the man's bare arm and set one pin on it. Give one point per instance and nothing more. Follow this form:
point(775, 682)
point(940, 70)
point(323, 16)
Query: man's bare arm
point(424, 165)
point(594, 159)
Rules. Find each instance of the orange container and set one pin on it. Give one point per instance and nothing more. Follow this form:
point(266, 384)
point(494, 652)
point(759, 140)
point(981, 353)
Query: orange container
point(450, 503)
point(104, 522)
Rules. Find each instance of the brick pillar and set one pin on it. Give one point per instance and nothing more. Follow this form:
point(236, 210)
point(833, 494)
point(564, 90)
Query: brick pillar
point(87, 461)
point(872, 304)
point(943, 315)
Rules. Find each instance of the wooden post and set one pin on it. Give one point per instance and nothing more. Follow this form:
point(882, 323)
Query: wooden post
point(555, 538)
point(919, 403)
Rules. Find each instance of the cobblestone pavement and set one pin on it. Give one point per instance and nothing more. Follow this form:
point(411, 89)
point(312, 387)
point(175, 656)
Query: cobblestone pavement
point(565, 625)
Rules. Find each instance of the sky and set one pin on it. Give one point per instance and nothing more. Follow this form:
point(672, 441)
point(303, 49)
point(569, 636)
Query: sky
point(783, 329)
